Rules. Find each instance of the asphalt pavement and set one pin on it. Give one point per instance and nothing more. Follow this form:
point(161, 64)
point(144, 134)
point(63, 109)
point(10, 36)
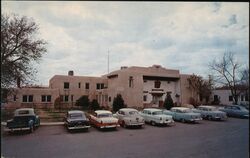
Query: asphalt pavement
point(208, 139)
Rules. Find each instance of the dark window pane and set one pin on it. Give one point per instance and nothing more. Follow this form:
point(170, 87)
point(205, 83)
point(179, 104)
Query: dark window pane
point(109, 99)
point(98, 86)
point(230, 98)
point(86, 85)
point(72, 97)
point(43, 98)
point(144, 98)
point(14, 98)
point(79, 85)
point(48, 98)
point(66, 85)
point(66, 98)
point(25, 99)
point(30, 98)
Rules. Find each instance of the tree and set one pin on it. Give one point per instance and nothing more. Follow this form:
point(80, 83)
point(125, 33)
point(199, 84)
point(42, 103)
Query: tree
point(200, 88)
point(118, 103)
point(83, 101)
point(227, 73)
point(168, 103)
point(19, 48)
point(94, 105)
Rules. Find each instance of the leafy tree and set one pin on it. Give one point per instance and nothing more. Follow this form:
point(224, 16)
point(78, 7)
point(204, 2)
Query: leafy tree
point(83, 101)
point(227, 72)
point(118, 103)
point(19, 48)
point(168, 102)
point(94, 105)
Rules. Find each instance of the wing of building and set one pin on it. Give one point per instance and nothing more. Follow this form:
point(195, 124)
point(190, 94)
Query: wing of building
point(139, 87)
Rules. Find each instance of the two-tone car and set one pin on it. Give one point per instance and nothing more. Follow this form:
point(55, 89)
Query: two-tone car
point(210, 113)
point(129, 117)
point(183, 114)
point(156, 117)
point(76, 119)
point(103, 119)
point(24, 119)
point(235, 111)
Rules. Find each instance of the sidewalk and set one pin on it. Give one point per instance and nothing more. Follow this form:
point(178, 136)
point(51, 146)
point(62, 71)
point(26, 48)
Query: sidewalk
point(43, 123)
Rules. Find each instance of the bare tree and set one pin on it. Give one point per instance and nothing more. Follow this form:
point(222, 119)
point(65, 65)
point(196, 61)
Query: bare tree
point(226, 72)
point(19, 48)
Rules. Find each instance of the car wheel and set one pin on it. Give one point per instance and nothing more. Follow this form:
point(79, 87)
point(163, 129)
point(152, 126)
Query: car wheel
point(209, 117)
point(182, 120)
point(153, 123)
point(32, 129)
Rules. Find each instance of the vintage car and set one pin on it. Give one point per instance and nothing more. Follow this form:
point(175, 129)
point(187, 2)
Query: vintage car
point(24, 119)
point(210, 113)
point(183, 114)
point(103, 119)
point(129, 117)
point(235, 111)
point(156, 117)
point(76, 119)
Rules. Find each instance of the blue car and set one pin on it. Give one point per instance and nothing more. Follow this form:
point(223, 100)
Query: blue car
point(235, 111)
point(183, 114)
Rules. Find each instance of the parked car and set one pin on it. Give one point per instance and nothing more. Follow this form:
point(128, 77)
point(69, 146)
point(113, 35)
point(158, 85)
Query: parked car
point(76, 119)
point(103, 119)
point(183, 114)
point(129, 117)
point(24, 119)
point(156, 117)
point(235, 111)
point(210, 113)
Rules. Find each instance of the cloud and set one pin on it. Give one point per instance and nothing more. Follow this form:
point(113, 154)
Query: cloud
point(184, 36)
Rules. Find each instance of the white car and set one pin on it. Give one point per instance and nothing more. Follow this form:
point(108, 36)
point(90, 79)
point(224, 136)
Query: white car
point(129, 117)
point(103, 119)
point(156, 117)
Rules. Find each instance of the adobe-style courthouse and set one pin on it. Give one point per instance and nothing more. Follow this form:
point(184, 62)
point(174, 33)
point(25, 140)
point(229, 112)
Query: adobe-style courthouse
point(139, 87)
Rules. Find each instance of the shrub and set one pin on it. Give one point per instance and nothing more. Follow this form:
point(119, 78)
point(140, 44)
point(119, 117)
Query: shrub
point(118, 103)
point(94, 105)
point(168, 103)
point(83, 101)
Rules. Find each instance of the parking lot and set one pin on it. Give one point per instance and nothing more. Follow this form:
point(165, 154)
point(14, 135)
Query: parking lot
point(207, 139)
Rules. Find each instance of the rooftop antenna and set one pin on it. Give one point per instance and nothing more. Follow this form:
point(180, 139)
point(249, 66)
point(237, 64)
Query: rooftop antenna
point(108, 61)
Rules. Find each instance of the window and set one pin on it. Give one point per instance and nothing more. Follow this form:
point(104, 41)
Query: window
point(157, 84)
point(246, 98)
point(86, 85)
point(216, 98)
point(230, 98)
point(27, 98)
point(102, 85)
point(242, 97)
point(109, 99)
point(79, 85)
point(145, 98)
point(98, 86)
point(72, 98)
point(131, 84)
point(66, 85)
point(46, 98)
point(66, 98)
point(14, 98)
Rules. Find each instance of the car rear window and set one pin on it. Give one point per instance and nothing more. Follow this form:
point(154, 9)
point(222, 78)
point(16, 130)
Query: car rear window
point(23, 112)
point(76, 115)
point(104, 115)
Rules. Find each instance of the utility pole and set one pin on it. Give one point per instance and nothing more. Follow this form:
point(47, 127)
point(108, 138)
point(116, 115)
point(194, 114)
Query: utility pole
point(108, 61)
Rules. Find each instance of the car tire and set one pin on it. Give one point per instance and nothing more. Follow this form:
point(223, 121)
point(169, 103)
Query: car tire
point(209, 117)
point(183, 120)
point(153, 123)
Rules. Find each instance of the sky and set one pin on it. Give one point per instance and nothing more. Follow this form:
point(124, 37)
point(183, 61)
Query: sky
point(186, 36)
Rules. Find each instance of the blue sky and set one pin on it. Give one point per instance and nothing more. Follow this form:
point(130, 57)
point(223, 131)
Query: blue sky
point(177, 35)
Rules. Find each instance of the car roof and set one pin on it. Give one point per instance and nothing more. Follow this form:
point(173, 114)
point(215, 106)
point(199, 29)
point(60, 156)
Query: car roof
point(207, 106)
point(152, 109)
point(180, 108)
point(75, 111)
point(31, 111)
point(102, 112)
point(128, 109)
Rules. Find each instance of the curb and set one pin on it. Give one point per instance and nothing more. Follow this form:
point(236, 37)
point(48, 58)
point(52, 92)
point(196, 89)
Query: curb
point(42, 123)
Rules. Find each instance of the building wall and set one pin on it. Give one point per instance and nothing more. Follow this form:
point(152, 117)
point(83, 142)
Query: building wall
point(186, 93)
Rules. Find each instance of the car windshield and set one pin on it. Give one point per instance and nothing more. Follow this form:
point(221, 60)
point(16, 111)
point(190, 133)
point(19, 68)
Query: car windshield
point(104, 115)
point(133, 113)
point(76, 115)
point(23, 112)
point(186, 111)
point(157, 113)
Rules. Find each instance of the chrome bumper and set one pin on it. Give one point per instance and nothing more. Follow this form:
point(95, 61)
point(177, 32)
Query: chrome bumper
point(78, 127)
